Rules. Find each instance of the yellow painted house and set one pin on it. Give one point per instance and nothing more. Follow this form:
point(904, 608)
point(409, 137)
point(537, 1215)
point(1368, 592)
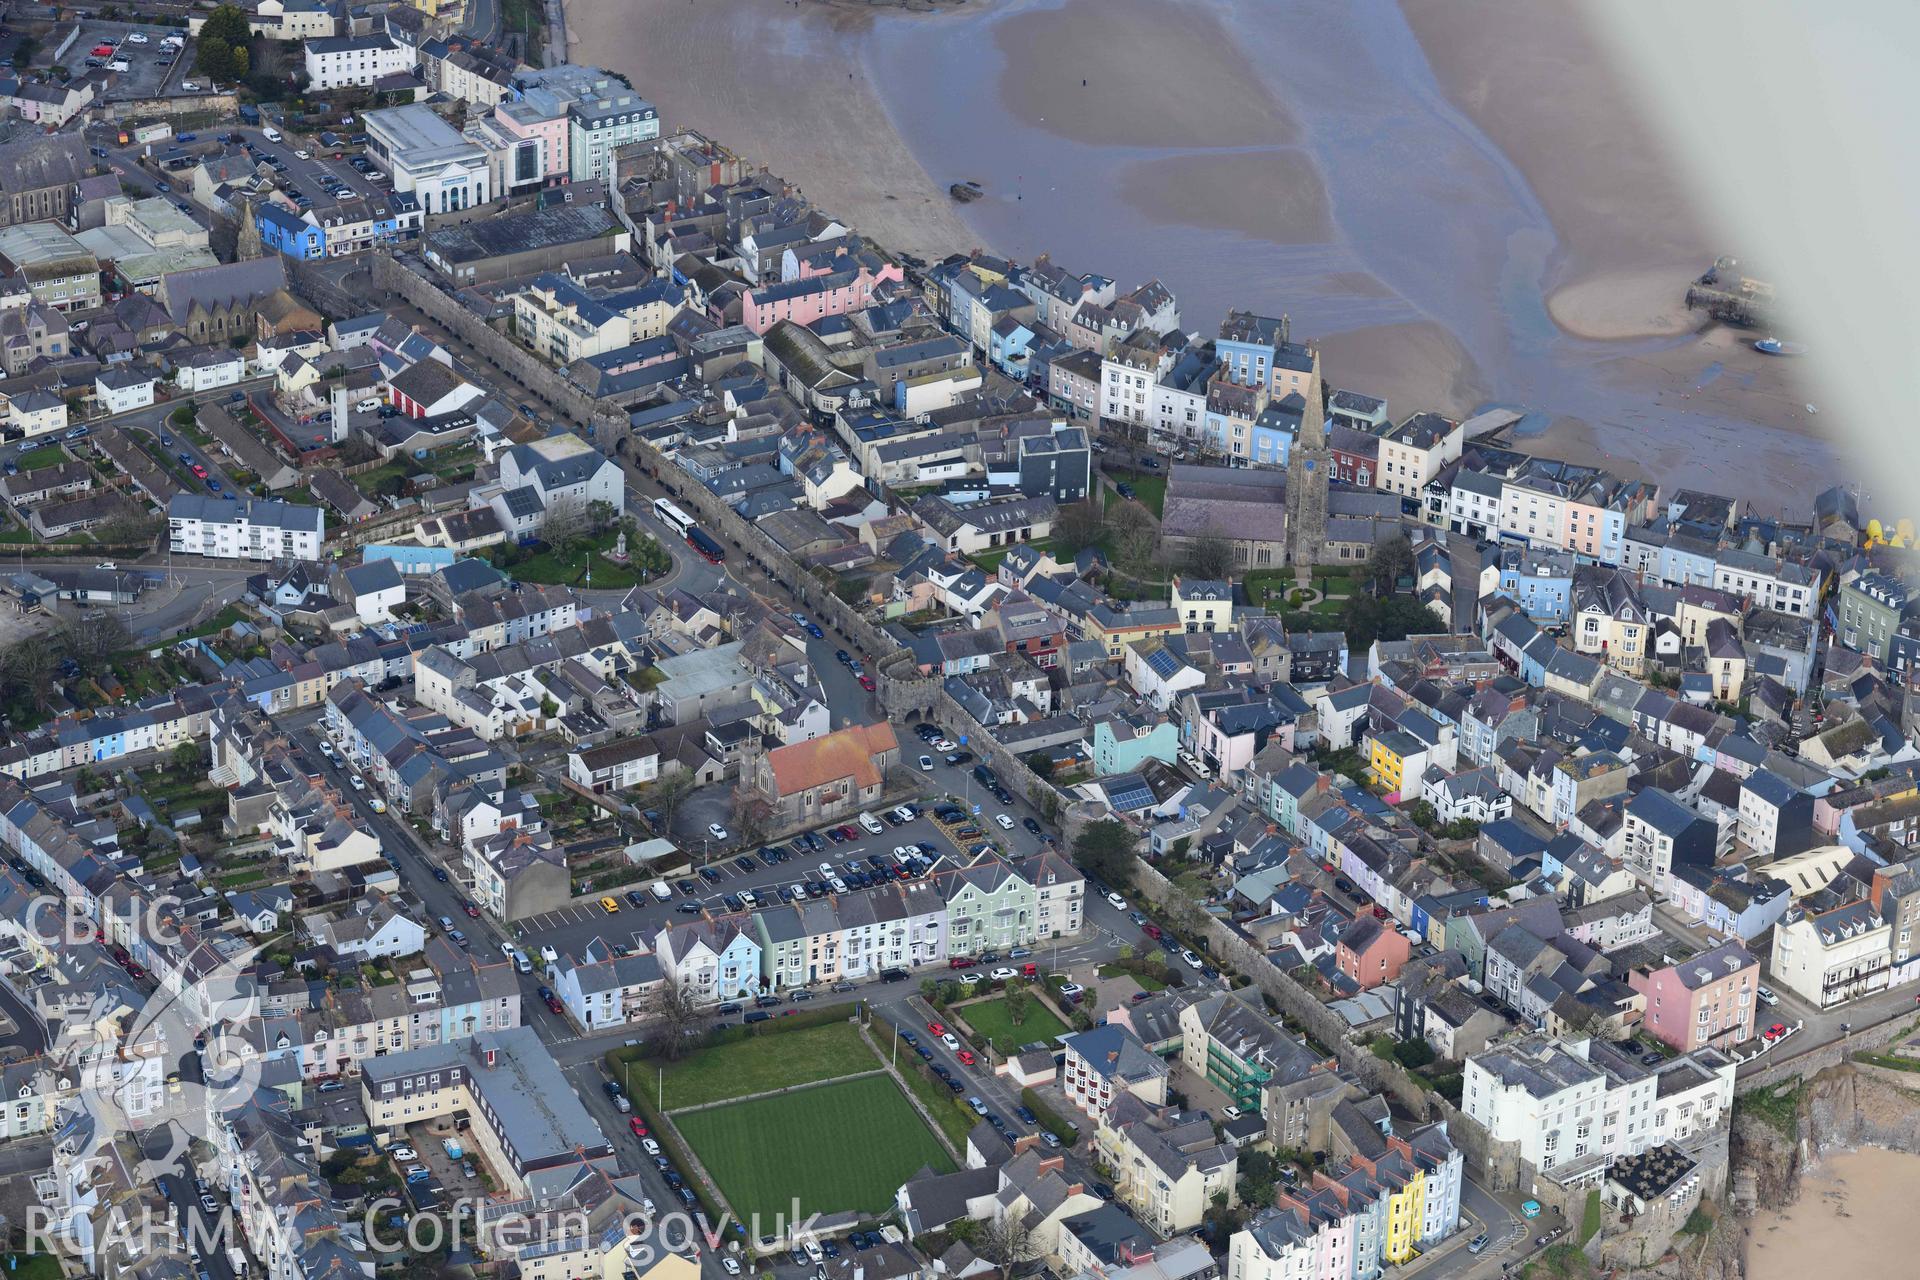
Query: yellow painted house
point(1406, 1212)
point(1396, 759)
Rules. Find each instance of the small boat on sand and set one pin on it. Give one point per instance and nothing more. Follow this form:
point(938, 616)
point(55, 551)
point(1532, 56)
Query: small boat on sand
point(1775, 347)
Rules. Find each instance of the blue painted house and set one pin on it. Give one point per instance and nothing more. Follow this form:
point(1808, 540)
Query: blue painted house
point(1008, 347)
point(287, 233)
point(1274, 431)
point(1539, 581)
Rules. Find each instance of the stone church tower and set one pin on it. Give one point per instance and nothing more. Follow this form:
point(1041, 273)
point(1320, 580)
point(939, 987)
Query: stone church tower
point(1309, 471)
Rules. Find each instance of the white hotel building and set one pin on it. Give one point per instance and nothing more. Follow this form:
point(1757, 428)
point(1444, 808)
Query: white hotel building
point(429, 158)
point(353, 60)
point(244, 528)
point(1572, 1107)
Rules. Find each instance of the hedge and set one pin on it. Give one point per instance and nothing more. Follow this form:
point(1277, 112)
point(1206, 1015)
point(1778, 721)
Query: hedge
point(944, 1104)
point(1049, 1119)
point(668, 1138)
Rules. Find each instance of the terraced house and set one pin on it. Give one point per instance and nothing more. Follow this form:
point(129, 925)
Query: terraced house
point(1372, 1211)
point(715, 960)
point(1059, 891)
point(1242, 1053)
point(990, 907)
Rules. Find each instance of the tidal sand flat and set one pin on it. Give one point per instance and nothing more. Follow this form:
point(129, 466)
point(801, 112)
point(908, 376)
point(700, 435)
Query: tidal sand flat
point(1552, 103)
point(1274, 196)
point(1136, 73)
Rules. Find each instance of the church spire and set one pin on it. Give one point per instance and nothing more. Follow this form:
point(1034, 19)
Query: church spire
point(248, 246)
point(1309, 472)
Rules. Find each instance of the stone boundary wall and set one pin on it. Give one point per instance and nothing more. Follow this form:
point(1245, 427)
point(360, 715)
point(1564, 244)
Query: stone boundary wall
point(1814, 1061)
point(225, 104)
point(413, 282)
point(1297, 1003)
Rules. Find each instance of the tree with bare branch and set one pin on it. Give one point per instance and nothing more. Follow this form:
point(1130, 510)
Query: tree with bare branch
point(675, 1013)
point(1006, 1243)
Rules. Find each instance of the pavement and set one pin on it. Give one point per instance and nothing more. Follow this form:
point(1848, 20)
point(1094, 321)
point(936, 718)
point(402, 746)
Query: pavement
point(24, 1036)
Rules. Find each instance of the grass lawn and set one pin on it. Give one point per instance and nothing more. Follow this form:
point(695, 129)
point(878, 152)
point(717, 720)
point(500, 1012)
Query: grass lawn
point(989, 1018)
point(569, 570)
point(766, 1062)
point(1148, 489)
point(368, 482)
point(220, 621)
point(1146, 980)
point(47, 455)
point(845, 1146)
point(989, 561)
point(32, 1266)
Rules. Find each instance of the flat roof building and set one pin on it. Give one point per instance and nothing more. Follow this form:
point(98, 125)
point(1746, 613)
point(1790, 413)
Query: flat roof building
point(528, 1119)
point(429, 158)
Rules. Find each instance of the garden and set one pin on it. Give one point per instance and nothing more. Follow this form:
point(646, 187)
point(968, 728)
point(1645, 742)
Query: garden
point(581, 560)
point(1012, 1019)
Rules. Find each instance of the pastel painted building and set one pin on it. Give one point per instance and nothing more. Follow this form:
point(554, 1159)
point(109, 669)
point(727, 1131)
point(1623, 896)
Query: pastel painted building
point(1123, 744)
point(1706, 1000)
point(714, 959)
point(804, 301)
point(289, 233)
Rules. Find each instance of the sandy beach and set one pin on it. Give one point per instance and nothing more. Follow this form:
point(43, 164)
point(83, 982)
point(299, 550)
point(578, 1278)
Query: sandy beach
point(1417, 363)
point(1850, 1220)
point(774, 83)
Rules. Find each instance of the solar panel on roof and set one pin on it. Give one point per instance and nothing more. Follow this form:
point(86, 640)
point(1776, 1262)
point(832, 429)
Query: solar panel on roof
point(1162, 663)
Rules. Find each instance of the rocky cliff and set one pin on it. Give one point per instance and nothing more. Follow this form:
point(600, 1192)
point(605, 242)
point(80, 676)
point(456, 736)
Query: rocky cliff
point(1776, 1134)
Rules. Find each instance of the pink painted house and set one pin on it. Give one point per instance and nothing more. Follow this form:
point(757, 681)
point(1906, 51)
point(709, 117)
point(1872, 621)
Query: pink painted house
point(521, 120)
point(1372, 952)
point(804, 301)
point(1708, 1000)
